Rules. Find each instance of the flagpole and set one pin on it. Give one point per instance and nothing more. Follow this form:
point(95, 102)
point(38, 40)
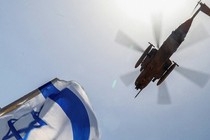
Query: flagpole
point(16, 104)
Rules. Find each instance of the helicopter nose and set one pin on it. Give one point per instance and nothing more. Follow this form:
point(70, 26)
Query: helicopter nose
point(139, 86)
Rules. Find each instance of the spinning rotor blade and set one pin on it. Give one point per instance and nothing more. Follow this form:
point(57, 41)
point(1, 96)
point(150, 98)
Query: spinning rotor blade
point(163, 95)
point(126, 41)
point(129, 78)
point(199, 78)
point(157, 25)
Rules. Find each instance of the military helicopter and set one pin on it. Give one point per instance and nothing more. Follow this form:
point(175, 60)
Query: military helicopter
point(155, 61)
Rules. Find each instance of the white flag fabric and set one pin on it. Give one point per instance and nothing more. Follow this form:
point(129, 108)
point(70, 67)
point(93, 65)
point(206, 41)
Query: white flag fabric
point(61, 111)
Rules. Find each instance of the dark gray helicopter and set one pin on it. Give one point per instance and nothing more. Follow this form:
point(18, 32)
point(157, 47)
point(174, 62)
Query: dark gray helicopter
point(155, 61)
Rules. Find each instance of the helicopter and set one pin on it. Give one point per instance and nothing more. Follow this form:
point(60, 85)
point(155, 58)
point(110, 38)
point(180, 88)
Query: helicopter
point(155, 63)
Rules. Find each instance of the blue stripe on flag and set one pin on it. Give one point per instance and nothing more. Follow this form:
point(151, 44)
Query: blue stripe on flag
point(48, 89)
point(73, 107)
point(76, 112)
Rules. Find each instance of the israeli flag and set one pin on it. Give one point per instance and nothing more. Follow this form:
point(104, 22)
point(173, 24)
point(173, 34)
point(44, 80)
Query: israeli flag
point(61, 111)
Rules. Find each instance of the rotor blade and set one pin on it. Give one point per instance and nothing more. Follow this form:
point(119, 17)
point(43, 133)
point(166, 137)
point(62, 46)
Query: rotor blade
point(157, 25)
point(163, 95)
point(126, 41)
point(199, 78)
point(196, 5)
point(130, 77)
point(198, 34)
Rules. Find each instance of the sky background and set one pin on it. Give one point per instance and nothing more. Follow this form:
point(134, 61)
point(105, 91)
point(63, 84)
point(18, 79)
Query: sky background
point(75, 40)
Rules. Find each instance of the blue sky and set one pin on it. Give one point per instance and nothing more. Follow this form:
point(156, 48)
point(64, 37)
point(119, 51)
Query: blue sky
point(75, 40)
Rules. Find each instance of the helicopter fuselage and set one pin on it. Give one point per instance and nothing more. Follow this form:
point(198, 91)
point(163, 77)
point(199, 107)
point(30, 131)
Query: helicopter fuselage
point(157, 63)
